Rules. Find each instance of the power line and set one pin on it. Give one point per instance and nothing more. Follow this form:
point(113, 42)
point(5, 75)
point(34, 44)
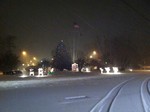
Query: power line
point(135, 10)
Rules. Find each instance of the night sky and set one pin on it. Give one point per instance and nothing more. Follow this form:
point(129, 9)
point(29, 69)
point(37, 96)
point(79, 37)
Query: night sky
point(40, 24)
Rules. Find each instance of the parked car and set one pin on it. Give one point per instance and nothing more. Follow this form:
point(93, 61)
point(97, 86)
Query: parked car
point(13, 72)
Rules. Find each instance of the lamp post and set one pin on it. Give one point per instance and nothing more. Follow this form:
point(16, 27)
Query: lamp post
point(27, 59)
point(93, 60)
point(24, 57)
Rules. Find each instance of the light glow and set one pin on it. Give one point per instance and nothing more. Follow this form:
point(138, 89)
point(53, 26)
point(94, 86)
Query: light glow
point(24, 53)
point(130, 70)
point(34, 58)
point(41, 76)
point(33, 64)
point(101, 70)
point(87, 70)
point(23, 76)
point(52, 70)
point(94, 53)
point(112, 73)
point(95, 67)
point(115, 71)
point(107, 70)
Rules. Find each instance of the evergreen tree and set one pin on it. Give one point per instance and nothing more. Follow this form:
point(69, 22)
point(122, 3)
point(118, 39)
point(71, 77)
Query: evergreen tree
point(62, 59)
point(8, 59)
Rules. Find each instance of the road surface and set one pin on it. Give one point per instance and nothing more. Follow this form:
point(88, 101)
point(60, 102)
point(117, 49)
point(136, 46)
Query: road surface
point(90, 93)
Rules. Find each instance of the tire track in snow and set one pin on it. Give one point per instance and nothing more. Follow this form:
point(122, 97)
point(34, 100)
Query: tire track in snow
point(145, 95)
point(105, 104)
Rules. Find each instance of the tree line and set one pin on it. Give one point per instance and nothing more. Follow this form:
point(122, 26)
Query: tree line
point(8, 58)
point(123, 52)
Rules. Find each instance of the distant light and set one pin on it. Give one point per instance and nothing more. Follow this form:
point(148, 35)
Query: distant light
point(95, 67)
point(115, 69)
point(107, 70)
point(112, 73)
point(52, 70)
point(1, 73)
point(91, 56)
point(41, 76)
point(130, 70)
point(33, 64)
point(87, 70)
point(94, 53)
point(34, 58)
point(101, 69)
point(23, 64)
point(24, 53)
point(23, 76)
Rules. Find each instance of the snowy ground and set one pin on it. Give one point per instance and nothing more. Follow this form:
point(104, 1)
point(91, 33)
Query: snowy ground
point(87, 93)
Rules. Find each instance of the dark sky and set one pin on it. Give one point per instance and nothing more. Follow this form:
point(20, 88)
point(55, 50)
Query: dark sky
point(40, 24)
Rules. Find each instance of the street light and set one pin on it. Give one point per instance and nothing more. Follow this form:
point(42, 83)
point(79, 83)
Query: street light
point(91, 56)
point(94, 53)
point(24, 53)
point(34, 58)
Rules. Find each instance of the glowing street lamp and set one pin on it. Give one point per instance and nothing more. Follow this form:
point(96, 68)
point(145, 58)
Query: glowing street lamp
point(91, 56)
point(34, 58)
point(24, 53)
point(94, 53)
point(24, 58)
